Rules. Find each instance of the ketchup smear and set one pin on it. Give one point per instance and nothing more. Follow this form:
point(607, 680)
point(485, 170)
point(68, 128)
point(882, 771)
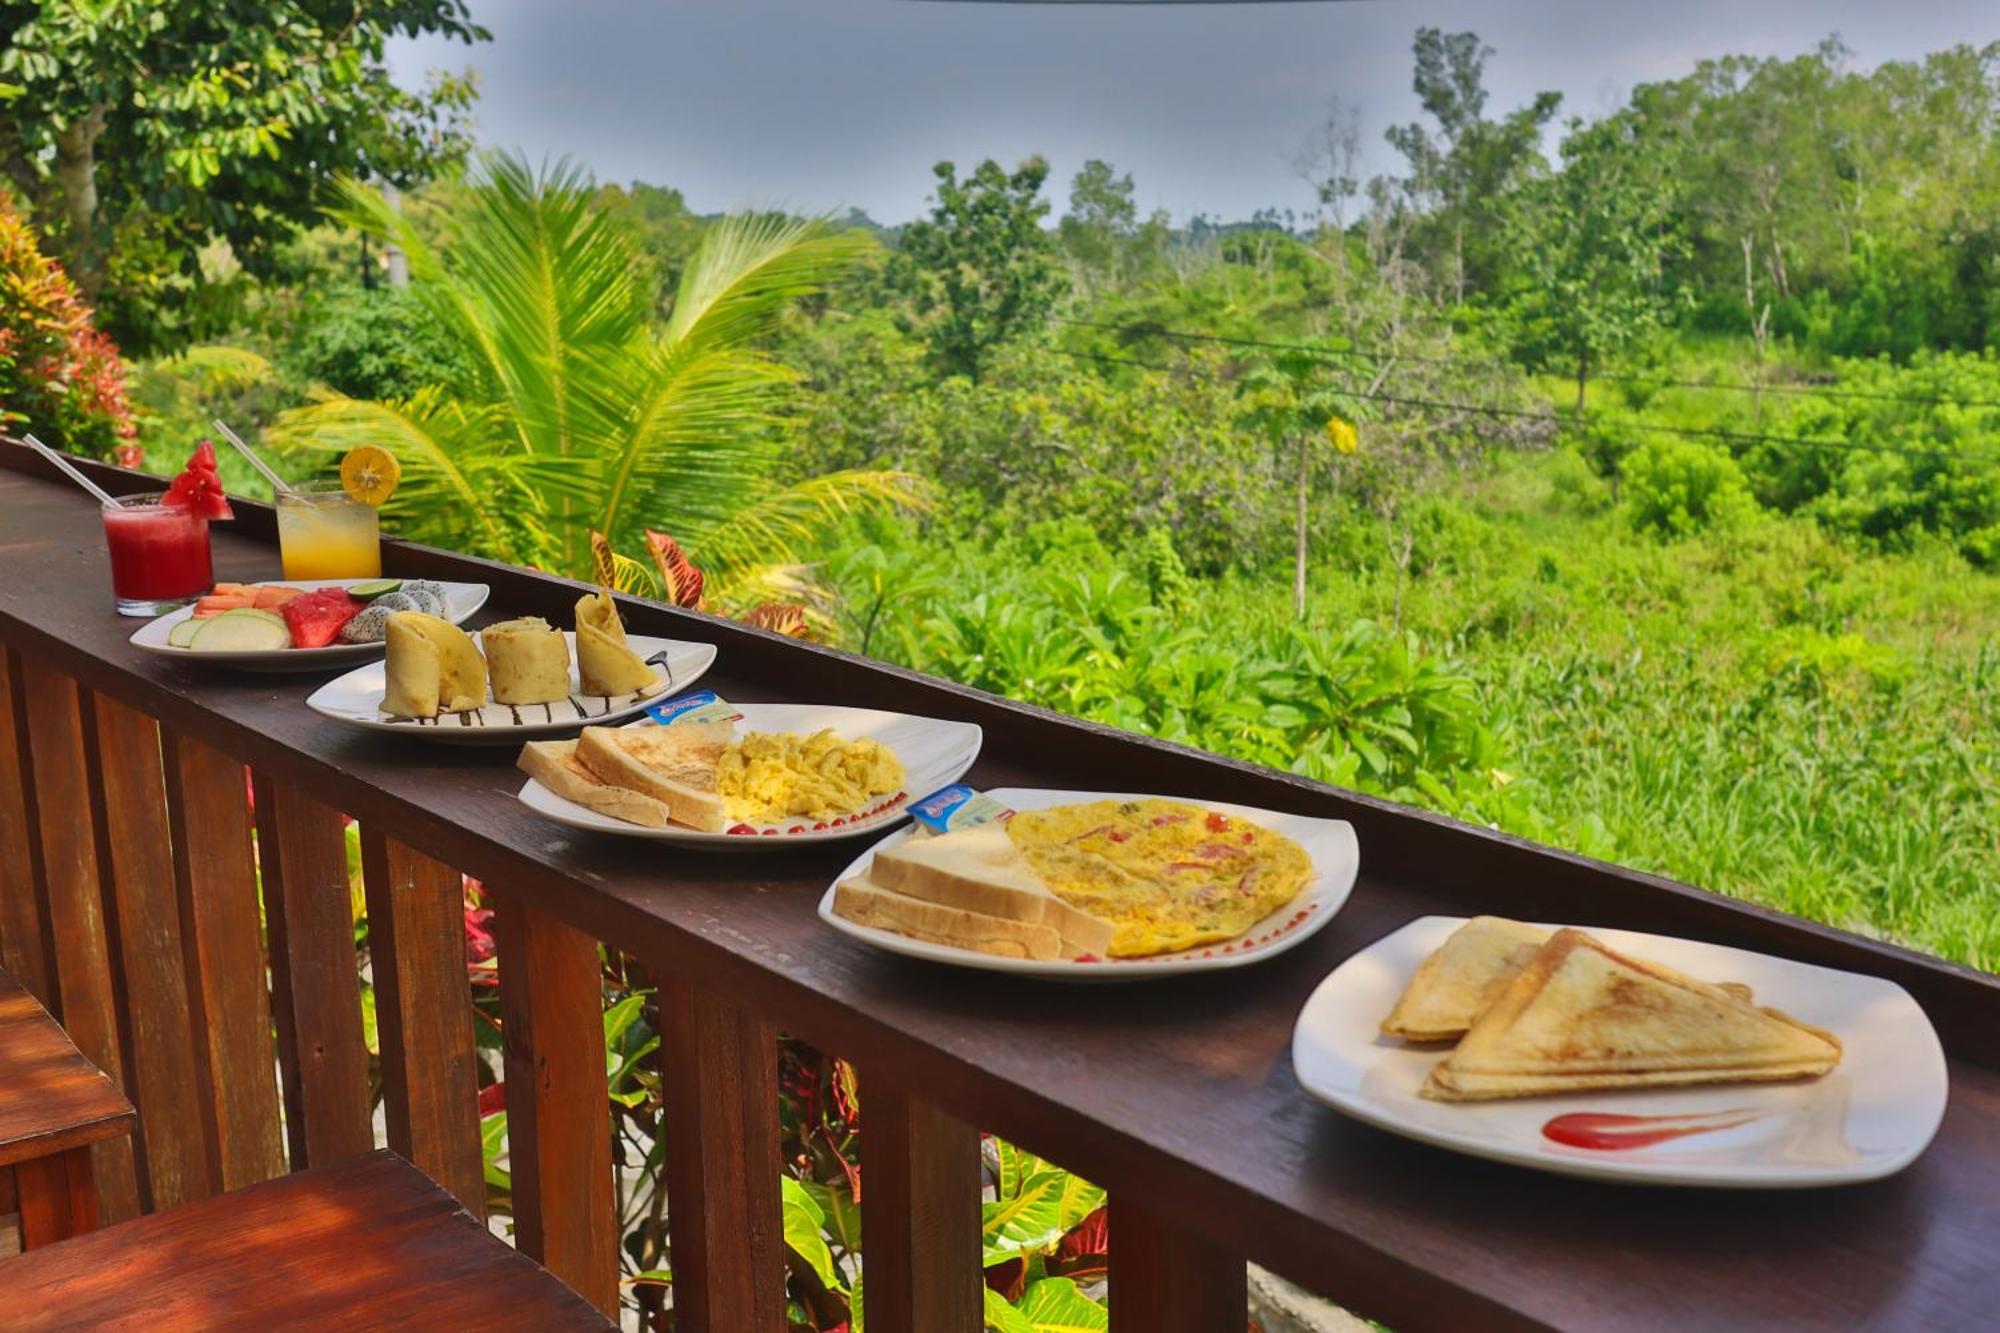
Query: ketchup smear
point(1611, 1133)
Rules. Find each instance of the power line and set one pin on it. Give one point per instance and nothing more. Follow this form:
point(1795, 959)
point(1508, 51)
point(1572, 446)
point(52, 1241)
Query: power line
point(1142, 329)
point(1551, 418)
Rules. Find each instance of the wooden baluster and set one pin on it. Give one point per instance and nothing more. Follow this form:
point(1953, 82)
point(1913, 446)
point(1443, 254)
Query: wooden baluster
point(315, 980)
point(919, 1215)
point(1166, 1279)
point(73, 891)
point(423, 1014)
point(24, 941)
point(160, 1041)
point(222, 954)
point(558, 1113)
point(719, 1069)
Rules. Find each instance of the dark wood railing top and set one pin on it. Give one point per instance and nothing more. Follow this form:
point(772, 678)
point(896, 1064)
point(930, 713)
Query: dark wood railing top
point(1179, 1092)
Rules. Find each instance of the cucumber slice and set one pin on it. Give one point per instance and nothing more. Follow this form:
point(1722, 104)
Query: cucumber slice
point(245, 630)
point(361, 592)
point(183, 634)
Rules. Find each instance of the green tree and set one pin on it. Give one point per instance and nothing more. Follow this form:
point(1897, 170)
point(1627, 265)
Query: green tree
point(569, 411)
point(143, 131)
point(1289, 401)
point(981, 271)
point(1593, 242)
point(1107, 245)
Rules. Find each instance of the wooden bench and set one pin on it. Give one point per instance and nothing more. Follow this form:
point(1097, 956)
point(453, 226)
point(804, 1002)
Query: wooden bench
point(371, 1243)
point(54, 1105)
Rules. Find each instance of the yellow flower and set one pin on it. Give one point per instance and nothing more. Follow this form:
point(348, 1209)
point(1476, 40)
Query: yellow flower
point(1346, 439)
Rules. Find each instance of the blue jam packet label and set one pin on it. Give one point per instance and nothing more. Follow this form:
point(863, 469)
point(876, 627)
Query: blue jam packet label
point(699, 706)
point(955, 807)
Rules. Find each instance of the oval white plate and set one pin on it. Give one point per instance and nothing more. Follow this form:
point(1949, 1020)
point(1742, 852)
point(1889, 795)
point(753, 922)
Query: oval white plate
point(356, 698)
point(1870, 1117)
point(934, 753)
point(460, 600)
point(1336, 858)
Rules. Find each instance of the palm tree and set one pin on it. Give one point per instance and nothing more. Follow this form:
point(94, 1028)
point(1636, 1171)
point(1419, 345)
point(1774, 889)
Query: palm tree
point(575, 412)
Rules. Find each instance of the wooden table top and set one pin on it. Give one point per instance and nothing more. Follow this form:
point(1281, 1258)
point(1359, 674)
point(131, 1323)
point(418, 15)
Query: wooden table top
point(51, 1098)
point(1180, 1089)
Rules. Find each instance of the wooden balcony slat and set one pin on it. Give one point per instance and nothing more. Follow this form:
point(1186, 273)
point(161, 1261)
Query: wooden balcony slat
point(1166, 1278)
point(558, 1115)
point(222, 954)
point(719, 1078)
point(24, 942)
point(423, 1014)
point(1178, 1093)
point(159, 1034)
point(919, 1214)
point(315, 979)
point(73, 893)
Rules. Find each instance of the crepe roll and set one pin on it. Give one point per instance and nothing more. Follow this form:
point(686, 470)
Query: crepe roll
point(605, 664)
point(528, 661)
point(432, 667)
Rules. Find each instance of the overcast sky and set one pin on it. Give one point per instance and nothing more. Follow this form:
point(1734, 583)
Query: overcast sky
point(824, 104)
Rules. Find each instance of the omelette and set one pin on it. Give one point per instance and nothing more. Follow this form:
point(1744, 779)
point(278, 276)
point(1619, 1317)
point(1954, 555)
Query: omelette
point(1166, 874)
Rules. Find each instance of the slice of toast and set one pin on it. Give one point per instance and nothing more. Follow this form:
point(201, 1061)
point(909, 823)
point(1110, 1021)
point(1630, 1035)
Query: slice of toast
point(674, 765)
point(1451, 986)
point(980, 870)
point(1580, 1016)
point(554, 764)
point(868, 904)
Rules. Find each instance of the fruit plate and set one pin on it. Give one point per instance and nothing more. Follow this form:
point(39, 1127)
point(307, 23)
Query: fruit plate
point(356, 699)
point(461, 600)
point(1336, 858)
point(934, 752)
point(1869, 1117)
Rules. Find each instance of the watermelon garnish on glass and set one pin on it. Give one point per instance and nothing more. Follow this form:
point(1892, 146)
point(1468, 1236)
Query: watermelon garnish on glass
point(199, 486)
point(316, 618)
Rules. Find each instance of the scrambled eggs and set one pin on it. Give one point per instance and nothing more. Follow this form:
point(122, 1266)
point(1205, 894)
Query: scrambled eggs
point(766, 777)
point(1167, 875)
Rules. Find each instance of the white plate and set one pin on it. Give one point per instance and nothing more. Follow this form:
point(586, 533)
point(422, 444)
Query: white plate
point(934, 753)
point(460, 599)
point(1336, 858)
point(356, 698)
point(1870, 1117)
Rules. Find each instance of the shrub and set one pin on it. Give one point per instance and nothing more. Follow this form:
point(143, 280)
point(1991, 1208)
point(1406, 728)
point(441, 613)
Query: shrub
point(59, 376)
point(377, 343)
point(1679, 486)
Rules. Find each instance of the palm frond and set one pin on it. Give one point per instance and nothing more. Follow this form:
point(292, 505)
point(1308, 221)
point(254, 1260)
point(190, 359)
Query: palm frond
point(218, 368)
point(748, 268)
point(780, 525)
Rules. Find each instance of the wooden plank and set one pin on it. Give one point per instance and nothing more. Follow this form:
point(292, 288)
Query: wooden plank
point(24, 942)
point(159, 1035)
point(371, 1244)
point(919, 1214)
point(222, 958)
point(57, 1197)
point(558, 1114)
point(73, 890)
point(1165, 1278)
point(315, 976)
point(51, 1098)
point(719, 1071)
point(423, 1014)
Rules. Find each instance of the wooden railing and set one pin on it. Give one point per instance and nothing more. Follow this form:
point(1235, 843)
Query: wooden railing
point(199, 947)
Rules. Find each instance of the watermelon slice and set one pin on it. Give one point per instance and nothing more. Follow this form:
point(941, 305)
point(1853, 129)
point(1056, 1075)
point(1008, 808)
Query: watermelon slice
point(199, 486)
point(315, 618)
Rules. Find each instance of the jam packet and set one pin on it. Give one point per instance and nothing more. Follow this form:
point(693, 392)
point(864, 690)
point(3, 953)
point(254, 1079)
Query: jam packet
point(955, 807)
point(699, 706)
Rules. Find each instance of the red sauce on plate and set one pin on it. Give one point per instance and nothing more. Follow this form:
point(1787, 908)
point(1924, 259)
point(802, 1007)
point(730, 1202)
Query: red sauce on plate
point(1606, 1132)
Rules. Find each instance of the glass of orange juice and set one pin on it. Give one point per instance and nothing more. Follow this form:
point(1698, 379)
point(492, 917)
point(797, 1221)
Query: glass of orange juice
point(324, 533)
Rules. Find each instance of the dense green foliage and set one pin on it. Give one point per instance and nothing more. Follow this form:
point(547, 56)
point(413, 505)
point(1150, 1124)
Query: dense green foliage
point(59, 375)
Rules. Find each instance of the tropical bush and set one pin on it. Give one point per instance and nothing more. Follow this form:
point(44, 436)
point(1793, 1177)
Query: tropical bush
point(59, 376)
point(1679, 486)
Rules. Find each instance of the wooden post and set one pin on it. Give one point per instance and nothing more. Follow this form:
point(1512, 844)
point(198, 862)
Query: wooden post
point(24, 941)
point(137, 846)
point(558, 1112)
point(1165, 1279)
point(719, 1071)
point(423, 1014)
point(222, 955)
point(73, 890)
point(315, 979)
point(57, 1197)
point(919, 1215)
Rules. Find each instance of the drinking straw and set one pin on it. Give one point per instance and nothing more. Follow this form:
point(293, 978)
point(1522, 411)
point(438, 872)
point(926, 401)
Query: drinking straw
point(278, 483)
point(69, 468)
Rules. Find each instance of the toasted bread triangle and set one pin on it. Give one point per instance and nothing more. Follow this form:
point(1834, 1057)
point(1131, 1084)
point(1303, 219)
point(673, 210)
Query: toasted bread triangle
point(1580, 1016)
point(1456, 981)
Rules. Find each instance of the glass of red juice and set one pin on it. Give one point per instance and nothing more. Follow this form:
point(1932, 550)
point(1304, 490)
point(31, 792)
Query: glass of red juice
point(159, 555)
